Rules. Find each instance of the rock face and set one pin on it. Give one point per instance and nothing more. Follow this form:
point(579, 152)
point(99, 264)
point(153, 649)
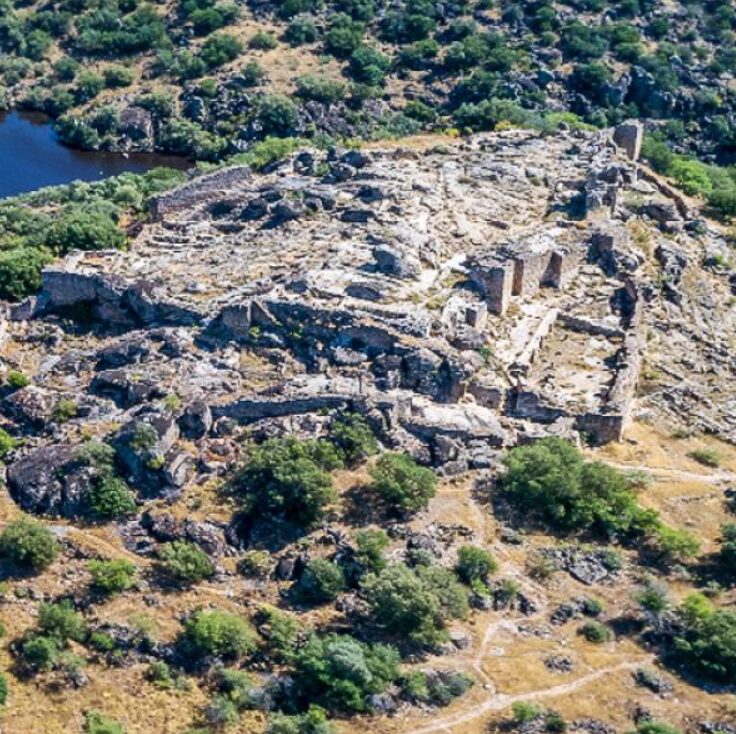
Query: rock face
point(463, 298)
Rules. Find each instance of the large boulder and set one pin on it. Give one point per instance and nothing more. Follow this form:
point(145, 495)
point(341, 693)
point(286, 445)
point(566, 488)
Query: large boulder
point(51, 481)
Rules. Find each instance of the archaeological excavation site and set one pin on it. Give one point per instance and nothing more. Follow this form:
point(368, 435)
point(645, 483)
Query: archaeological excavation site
point(428, 436)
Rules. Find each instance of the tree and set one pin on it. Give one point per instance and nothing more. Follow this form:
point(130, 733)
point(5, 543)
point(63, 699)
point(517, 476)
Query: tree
point(474, 564)
point(112, 577)
point(80, 230)
point(20, 271)
point(216, 634)
point(339, 672)
point(320, 582)
point(61, 623)
point(550, 480)
point(219, 49)
point(287, 479)
point(185, 562)
point(415, 603)
point(728, 547)
point(28, 544)
point(402, 484)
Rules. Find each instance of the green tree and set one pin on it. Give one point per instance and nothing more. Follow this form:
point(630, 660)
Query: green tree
point(339, 672)
point(28, 544)
point(370, 545)
point(287, 479)
point(110, 498)
point(415, 603)
point(402, 484)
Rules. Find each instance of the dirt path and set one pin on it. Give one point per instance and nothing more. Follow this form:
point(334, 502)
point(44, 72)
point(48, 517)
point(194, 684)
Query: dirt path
point(679, 475)
point(501, 701)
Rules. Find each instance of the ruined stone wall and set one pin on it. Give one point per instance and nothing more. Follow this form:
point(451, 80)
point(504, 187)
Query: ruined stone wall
point(197, 191)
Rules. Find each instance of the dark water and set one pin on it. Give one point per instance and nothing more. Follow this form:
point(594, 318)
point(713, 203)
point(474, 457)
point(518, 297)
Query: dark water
point(31, 157)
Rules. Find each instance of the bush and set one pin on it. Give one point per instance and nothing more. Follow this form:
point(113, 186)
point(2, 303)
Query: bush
point(415, 603)
point(596, 632)
point(474, 564)
point(238, 686)
point(262, 41)
point(217, 634)
point(368, 65)
point(319, 89)
point(277, 115)
point(301, 30)
point(3, 689)
point(402, 484)
point(728, 547)
point(314, 721)
point(354, 437)
point(708, 643)
point(59, 622)
point(96, 723)
point(526, 711)
point(648, 726)
point(320, 582)
point(706, 457)
point(672, 545)
point(79, 230)
point(16, 380)
point(40, 653)
point(219, 49)
point(28, 544)
point(370, 545)
point(185, 562)
point(110, 498)
point(20, 271)
point(550, 480)
point(117, 76)
point(112, 577)
point(339, 672)
point(284, 631)
point(287, 479)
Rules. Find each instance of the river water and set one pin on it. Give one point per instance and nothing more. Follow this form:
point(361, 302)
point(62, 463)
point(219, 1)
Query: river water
point(31, 157)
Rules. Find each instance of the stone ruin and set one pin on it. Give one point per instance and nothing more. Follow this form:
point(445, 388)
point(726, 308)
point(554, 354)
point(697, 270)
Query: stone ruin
point(465, 297)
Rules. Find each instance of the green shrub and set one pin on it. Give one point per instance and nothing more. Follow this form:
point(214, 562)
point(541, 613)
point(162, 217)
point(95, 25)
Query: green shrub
point(110, 498)
point(112, 577)
point(354, 437)
point(238, 686)
point(288, 479)
point(219, 49)
point(402, 484)
point(3, 689)
point(17, 380)
point(314, 721)
point(116, 75)
point(97, 723)
point(61, 623)
point(526, 711)
point(596, 632)
point(79, 230)
point(320, 582)
point(262, 41)
point(216, 633)
point(301, 30)
point(368, 65)
point(339, 672)
point(673, 545)
point(370, 545)
point(706, 457)
point(39, 652)
point(728, 547)
point(550, 480)
point(414, 604)
point(284, 630)
point(7, 443)
point(20, 271)
point(474, 564)
point(28, 544)
point(159, 673)
point(319, 89)
point(65, 410)
point(185, 562)
point(649, 726)
point(277, 114)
